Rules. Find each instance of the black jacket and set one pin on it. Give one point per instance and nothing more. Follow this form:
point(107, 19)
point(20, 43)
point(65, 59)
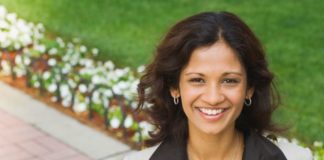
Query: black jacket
point(256, 147)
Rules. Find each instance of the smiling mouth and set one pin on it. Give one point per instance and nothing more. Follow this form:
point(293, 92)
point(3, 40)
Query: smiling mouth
point(211, 111)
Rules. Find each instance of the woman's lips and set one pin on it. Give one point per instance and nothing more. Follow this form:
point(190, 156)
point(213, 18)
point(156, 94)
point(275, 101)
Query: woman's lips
point(211, 114)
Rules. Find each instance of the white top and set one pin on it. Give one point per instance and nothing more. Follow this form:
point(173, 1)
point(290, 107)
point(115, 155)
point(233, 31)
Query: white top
point(290, 150)
point(144, 154)
point(293, 151)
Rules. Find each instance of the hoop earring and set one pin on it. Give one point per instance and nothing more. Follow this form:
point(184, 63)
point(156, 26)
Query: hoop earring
point(176, 100)
point(248, 102)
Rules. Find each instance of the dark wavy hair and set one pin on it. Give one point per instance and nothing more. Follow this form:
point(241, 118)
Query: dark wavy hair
point(173, 54)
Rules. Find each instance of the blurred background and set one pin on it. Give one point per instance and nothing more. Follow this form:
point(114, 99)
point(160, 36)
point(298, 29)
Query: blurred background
point(127, 32)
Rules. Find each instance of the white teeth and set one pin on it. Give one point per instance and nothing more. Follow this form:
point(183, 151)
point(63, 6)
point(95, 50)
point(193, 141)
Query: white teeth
point(211, 111)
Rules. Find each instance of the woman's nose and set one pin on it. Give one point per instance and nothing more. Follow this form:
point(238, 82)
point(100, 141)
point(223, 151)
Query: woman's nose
point(213, 95)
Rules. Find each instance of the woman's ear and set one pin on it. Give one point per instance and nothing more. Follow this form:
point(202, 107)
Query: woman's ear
point(249, 92)
point(174, 92)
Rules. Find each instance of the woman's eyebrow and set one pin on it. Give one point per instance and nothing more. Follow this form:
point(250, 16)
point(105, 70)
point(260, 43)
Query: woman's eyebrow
point(225, 73)
point(233, 72)
point(194, 73)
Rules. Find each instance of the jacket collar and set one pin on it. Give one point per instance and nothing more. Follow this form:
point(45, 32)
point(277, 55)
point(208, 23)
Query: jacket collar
point(171, 149)
point(256, 147)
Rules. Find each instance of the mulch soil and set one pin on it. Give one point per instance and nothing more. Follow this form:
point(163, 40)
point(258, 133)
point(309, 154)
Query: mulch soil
point(97, 122)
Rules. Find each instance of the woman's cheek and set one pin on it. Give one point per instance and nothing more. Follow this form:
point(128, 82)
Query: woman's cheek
point(235, 95)
point(190, 94)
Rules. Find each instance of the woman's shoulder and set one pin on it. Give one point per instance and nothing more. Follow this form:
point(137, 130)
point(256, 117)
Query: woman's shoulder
point(277, 148)
point(293, 151)
point(144, 154)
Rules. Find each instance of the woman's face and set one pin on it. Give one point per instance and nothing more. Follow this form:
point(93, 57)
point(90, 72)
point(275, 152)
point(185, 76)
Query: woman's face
point(212, 87)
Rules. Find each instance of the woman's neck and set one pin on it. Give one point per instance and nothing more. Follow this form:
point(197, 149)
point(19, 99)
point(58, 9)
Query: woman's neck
point(226, 145)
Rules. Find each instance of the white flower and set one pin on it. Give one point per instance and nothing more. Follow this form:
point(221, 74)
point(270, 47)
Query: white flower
point(80, 107)
point(141, 69)
point(117, 90)
point(40, 48)
point(5, 44)
point(57, 77)
point(17, 46)
point(65, 58)
point(13, 33)
point(134, 85)
point(96, 79)
point(40, 27)
point(18, 59)
point(23, 27)
point(123, 85)
point(26, 51)
point(72, 83)
point(83, 49)
point(106, 102)
point(108, 93)
point(3, 12)
point(38, 36)
point(96, 97)
point(115, 122)
point(52, 51)
point(95, 51)
point(128, 121)
point(136, 137)
point(4, 24)
point(52, 87)
point(12, 17)
point(134, 104)
point(146, 128)
point(5, 67)
point(53, 99)
point(60, 41)
point(89, 63)
point(82, 61)
point(37, 84)
point(46, 75)
point(25, 40)
point(66, 69)
point(27, 61)
point(66, 102)
point(52, 62)
point(65, 90)
point(82, 71)
point(87, 100)
point(109, 65)
point(3, 39)
point(120, 73)
point(70, 45)
point(19, 71)
point(147, 105)
point(318, 144)
point(128, 95)
point(83, 88)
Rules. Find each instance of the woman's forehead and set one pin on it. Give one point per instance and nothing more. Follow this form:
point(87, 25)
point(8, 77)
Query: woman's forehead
point(218, 56)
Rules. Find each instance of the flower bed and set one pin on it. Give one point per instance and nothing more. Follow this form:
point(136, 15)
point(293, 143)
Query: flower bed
point(67, 76)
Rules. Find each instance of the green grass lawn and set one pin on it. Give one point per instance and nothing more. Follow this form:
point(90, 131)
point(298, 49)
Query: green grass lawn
point(127, 31)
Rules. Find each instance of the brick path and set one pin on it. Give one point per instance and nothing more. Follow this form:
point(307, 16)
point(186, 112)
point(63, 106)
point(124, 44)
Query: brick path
point(21, 141)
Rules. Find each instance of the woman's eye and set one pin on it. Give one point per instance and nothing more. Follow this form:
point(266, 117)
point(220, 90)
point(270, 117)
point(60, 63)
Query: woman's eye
point(230, 81)
point(197, 80)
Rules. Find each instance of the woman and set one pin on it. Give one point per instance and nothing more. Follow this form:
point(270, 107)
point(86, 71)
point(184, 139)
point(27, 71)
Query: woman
point(211, 93)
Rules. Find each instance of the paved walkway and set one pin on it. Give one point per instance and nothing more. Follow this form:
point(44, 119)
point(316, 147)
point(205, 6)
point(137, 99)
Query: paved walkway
point(30, 130)
point(19, 140)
